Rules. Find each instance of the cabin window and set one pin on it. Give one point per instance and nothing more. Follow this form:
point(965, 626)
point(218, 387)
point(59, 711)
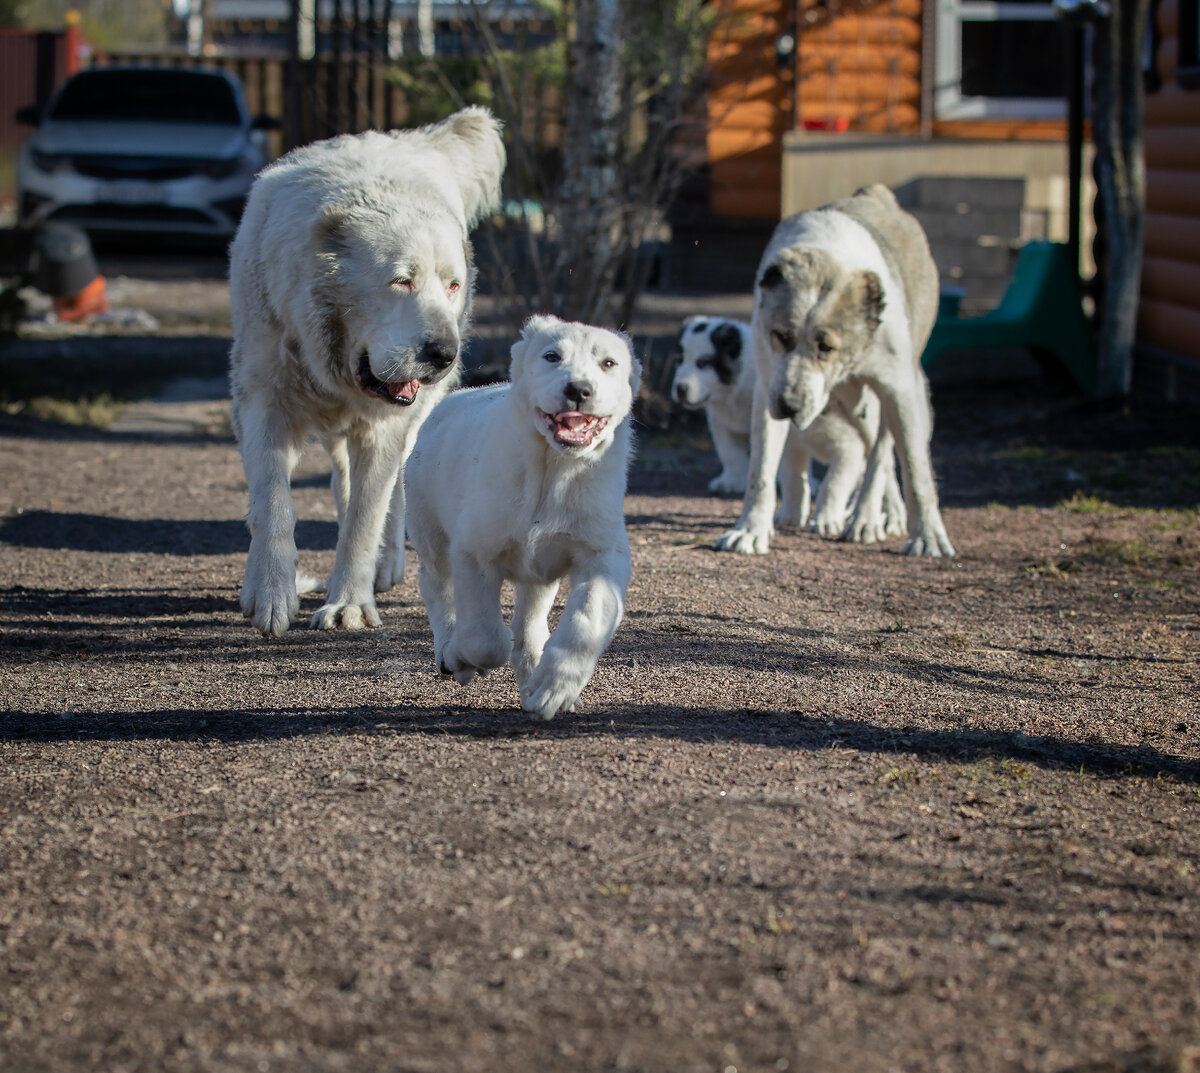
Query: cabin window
point(1187, 74)
point(1005, 60)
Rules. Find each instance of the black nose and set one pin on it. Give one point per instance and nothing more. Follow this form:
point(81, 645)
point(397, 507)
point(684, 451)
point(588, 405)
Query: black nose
point(439, 353)
point(576, 392)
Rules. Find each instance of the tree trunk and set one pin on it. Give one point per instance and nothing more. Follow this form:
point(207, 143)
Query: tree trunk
point(590, 199)
point(1121, 186)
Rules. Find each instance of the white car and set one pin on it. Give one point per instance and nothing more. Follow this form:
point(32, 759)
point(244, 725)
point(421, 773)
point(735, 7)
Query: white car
point(138, 150)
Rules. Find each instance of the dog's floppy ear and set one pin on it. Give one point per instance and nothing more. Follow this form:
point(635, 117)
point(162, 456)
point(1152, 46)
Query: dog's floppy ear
point(532, 328)
point(867, 289)
point(727, 343)
point(470, 140)
point(538, 323)
point(791, 265)
point(772, 277)
point(635, 366)
point(329, 229)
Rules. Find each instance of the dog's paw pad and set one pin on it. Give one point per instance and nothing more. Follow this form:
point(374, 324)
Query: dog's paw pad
point(346, 617)
point(270, 616)
point(932, 546)
point(744, 542)
point(389, 575)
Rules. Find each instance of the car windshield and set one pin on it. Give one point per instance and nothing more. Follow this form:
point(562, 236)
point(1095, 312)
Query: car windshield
point(154, 96)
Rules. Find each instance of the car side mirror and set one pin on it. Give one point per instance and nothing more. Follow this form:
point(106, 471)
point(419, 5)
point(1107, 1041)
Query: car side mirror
point(30, 115)
point(267, 122)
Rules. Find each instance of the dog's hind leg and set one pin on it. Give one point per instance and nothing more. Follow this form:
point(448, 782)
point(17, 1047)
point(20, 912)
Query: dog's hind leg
point(339, 477)
point(530, 626)
point(754, 529)
point(846, 464)
point(735, 461)
point(590, 618)
point(795, 499)
point(270, 449)
point(350, 595)
point(906, 410)
point(389, 567)
point(894, 511)
point(867, 524)
point(437, 593)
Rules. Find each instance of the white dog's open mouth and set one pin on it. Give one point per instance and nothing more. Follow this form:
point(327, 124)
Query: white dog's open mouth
point(402, 392)
point(572, 428)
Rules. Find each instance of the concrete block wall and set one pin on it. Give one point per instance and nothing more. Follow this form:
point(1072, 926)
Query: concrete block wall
point(975, 226)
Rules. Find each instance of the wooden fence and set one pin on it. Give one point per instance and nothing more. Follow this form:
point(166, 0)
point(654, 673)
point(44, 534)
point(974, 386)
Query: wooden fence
point(313, 98)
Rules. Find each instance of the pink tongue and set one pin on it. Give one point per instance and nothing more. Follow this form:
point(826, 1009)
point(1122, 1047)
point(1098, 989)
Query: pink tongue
point(406, 391)
point(572, 419)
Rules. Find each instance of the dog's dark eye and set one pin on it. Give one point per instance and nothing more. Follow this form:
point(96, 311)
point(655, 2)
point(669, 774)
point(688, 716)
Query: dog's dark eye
point(783, 340)
point(552, 356)
point(608, 363)
point(453, 286)
point(825, 344)
point(704, 363)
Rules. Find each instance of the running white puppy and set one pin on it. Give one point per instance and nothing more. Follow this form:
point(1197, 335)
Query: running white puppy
point(351, 279)
point(846, 296)
point(716, 371)
point(525, 482)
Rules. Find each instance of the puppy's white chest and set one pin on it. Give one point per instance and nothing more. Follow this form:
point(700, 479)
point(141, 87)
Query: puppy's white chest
point(540, 557)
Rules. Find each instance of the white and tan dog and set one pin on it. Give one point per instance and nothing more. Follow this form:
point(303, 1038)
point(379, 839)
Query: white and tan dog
point(350, 279)
point(846, 296)
point(716, 372)
point(525, 482)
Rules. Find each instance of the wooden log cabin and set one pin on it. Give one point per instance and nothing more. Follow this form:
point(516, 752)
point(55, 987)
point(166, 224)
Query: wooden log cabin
point(1168, 357)
point(959, 105)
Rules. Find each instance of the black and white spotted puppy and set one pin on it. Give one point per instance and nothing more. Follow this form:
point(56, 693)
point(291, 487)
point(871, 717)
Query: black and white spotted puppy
point(716, 373)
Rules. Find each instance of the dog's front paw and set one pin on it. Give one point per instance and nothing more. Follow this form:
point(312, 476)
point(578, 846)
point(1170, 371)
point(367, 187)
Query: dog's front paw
point(465, 655)
point(791, 516)
point(270, 613)
point(895, 512)
point(865, 527)
point(828, 523)
point(727, 485)
point(347, 617)
point(744, 541)
point(932, 541)
point(268, 597)
point(545, 695)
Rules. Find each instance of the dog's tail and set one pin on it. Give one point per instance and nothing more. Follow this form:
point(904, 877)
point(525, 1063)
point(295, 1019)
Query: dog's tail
point(471, 140)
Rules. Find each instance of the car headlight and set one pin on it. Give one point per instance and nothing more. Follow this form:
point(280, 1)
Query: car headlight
point(49, 162)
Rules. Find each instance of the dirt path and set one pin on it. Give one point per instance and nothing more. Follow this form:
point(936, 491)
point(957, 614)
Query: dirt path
point(827, 809)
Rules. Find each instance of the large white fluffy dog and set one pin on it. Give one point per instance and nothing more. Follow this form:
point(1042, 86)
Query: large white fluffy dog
point(846, 296)
point(351, 280)
point(716, 372)
point(525, 482)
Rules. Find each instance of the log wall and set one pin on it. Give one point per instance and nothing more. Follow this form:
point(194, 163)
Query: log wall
point(1169, 316)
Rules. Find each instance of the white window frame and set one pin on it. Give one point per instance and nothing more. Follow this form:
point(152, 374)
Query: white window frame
point(948, 99)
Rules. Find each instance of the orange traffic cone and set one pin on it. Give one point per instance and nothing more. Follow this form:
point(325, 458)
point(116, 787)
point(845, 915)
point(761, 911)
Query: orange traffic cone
point(92, 299)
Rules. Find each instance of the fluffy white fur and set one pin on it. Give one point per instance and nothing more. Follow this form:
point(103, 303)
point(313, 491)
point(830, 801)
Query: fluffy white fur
point(846, 296)
point(716, 372)
point(351, 280)
point(525, 482)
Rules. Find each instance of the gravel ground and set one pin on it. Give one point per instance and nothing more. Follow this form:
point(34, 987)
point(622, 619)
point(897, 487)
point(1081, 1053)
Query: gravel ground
point(827, 809)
